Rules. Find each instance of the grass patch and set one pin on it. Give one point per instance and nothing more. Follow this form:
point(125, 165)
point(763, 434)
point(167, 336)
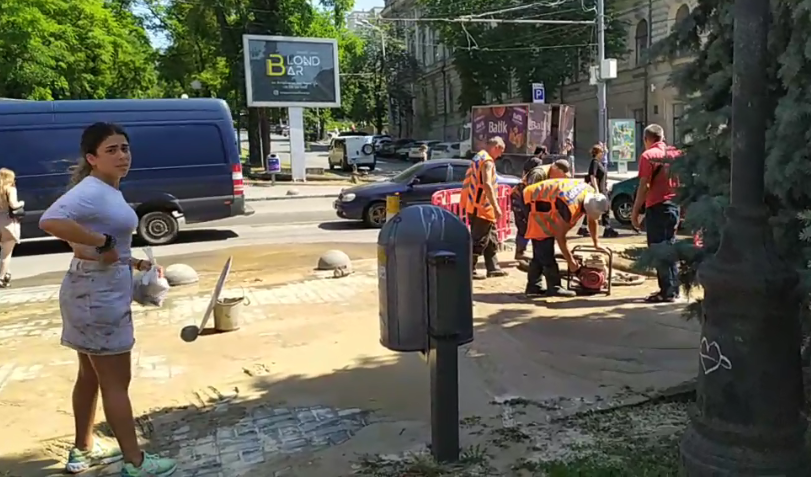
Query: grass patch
point(637, 441)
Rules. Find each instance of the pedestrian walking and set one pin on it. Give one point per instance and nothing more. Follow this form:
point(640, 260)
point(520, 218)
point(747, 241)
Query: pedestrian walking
point(12, 211)
point(95, 300)
point(656, 191)
point(480, 201)
point(568, 150)
point(598, 178)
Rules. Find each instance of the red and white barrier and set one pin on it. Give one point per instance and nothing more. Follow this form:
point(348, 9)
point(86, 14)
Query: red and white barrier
point(450, 200)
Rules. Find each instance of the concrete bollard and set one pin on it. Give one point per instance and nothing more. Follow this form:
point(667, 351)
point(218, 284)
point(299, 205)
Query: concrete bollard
point(392, 206)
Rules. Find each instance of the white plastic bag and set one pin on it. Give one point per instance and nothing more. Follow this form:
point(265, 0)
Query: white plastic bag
point(148, 287)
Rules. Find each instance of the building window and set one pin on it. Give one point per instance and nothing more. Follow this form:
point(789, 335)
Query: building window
point(678, 113)
point(681, 15)
point(641, 42)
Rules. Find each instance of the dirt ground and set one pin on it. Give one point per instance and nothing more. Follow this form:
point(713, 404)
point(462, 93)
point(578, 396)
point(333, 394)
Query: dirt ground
point(304, 387)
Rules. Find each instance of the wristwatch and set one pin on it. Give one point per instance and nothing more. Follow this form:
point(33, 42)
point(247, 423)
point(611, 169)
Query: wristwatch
point(109, 244)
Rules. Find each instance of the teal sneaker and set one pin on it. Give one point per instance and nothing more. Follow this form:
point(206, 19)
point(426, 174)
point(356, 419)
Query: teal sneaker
point(152, 466)
point(80, 461)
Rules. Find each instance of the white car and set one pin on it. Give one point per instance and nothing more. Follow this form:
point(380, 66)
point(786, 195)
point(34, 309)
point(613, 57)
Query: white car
point(445, 150)
point(414, 152)
point(348, 151)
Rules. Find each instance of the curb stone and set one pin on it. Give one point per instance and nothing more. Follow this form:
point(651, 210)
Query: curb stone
point(291, 197)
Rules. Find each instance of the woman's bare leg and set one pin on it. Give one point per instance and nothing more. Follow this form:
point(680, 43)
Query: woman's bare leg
point(6, 247)
point(114, 375)
point(85, 401)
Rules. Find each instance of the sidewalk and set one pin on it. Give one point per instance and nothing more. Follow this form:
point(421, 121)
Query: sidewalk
point(305, 387)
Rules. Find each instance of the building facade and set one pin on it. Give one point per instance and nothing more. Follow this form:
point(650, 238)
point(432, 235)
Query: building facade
point(639, 92)
point(357, 19)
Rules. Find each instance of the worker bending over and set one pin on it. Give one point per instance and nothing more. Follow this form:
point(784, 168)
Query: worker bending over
point(555, 206)
point(534, 171)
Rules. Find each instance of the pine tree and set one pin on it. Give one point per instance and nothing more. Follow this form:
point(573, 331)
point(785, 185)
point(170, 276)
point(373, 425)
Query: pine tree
point(705, 85)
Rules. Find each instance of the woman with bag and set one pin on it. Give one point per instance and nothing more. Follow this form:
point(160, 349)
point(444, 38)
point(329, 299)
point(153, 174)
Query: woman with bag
point(96, 297)
point(11, 211)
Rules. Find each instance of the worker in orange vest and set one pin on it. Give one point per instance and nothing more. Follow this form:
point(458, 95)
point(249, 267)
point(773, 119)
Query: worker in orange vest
point(555, 207)
point(480, 200)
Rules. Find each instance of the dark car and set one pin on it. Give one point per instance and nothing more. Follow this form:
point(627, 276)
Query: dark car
point(389, 149)
point(415, 185)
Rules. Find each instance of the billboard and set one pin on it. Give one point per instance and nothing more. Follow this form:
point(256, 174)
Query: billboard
point(622, 140)
point(507, 122)
point(283, 72)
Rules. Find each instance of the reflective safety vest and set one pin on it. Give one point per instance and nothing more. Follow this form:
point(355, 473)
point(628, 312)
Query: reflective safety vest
point(473, 199)
point(544, 201)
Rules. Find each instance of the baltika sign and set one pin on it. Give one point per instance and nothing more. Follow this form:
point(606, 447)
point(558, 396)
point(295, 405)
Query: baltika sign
point(290, 72)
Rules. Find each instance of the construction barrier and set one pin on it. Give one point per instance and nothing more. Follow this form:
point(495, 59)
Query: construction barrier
point(450, 199)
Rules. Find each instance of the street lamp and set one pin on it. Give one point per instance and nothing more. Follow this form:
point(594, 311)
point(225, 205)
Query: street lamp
point(748, 415)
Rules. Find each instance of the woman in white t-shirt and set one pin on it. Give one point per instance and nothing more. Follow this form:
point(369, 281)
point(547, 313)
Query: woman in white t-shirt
point(96, 297)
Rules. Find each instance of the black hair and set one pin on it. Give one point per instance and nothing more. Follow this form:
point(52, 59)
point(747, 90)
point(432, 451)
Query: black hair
point(97, 133)
point(92, 137)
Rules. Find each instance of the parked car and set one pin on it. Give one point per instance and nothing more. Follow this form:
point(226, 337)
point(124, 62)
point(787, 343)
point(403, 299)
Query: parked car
point(415, 185)
point(414, 151)
point(185, 158)
point(445, 150)
point(281, 129)
point(348, 151)
point(622, 198)
point(389, 149)
point(380, 140)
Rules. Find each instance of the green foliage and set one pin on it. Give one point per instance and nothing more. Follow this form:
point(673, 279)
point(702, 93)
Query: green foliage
point(487, 56)
point(704, 171)
point(73, 49)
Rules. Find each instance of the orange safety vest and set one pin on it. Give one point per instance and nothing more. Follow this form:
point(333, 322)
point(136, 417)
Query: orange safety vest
point(473, 199)
point(544, 220)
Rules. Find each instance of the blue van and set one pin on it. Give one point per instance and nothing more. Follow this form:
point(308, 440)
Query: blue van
point(185, 158)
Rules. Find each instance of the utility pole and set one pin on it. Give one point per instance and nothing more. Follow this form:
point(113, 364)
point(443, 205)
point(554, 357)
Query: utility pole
point(748, 418)
point(602, 101)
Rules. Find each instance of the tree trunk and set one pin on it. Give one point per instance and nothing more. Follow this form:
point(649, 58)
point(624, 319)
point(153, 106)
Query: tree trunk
point(254, 142)
point(264, 131)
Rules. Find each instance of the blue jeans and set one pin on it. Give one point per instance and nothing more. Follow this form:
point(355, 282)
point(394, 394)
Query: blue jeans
point(661, 221)
point(521, 242)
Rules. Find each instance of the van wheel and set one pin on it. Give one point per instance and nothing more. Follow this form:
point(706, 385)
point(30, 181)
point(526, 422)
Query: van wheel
point(331, 166)
point(158, 228)
point(373, 165)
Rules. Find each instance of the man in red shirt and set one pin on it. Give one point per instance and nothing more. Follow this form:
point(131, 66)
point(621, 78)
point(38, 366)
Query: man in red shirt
point(656, 191)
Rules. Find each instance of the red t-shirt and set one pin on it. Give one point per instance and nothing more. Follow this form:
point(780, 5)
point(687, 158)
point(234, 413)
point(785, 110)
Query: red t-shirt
point(663, 187)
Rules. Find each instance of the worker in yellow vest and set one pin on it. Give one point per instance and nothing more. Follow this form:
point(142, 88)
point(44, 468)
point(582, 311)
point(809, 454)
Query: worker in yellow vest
point(555, 207)
point(480, 200)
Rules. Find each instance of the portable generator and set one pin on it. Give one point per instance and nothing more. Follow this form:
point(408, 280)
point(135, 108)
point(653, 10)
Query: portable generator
point(595, 272)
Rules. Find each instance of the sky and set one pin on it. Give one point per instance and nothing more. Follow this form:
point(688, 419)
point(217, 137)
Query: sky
point(367, 4)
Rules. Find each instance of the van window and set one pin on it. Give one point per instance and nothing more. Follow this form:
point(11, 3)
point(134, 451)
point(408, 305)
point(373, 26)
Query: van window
point(34, 152)
point(176, 146)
